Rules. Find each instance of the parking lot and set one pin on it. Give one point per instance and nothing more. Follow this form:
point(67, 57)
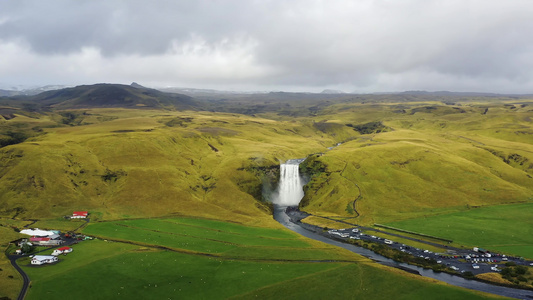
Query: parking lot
point(477, 262)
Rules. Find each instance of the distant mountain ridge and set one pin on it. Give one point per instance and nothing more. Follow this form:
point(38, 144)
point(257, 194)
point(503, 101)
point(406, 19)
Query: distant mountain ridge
point(459, 94)
point(104, 95)
point(108, 95)
point(29, 91)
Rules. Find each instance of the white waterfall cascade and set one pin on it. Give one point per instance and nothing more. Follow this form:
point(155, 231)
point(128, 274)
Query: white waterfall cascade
point(290, 189)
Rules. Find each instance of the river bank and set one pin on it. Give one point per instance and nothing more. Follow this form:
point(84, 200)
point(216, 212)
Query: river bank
point(291, 218)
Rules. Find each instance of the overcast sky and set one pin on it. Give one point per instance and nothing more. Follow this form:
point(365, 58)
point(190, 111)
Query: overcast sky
point(307, 45)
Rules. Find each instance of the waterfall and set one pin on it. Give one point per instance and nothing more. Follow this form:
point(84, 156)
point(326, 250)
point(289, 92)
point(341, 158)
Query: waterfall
point(290, 189)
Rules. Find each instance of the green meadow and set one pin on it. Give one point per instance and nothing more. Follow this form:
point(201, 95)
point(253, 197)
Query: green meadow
point(504, 228)
point(217, 238)
point(110, 270)
point(360, 281)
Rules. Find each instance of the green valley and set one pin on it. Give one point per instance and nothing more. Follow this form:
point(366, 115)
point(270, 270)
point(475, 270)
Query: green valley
point(179, 189)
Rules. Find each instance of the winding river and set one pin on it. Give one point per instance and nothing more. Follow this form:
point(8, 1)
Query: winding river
point(281, 202)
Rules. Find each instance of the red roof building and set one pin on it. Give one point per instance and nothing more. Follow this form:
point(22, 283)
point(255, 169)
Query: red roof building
point(79, 215)
point(39, 239)
point(62, 250)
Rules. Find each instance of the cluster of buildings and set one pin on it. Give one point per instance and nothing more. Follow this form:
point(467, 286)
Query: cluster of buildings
point(48, 259)
point(39, 237)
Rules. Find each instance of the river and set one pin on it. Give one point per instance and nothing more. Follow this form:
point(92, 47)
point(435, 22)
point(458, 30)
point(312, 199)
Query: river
point(280, 215)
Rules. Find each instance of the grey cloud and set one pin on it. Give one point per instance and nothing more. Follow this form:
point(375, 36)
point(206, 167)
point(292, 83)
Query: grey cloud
point(380, 45)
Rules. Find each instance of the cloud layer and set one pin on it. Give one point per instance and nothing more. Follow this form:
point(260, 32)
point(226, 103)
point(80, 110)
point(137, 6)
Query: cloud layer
point(363, 46)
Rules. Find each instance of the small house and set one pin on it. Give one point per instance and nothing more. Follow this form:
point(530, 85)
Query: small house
point(43, 259)
point(62, 250)
point(21, 242)
point(79, 215)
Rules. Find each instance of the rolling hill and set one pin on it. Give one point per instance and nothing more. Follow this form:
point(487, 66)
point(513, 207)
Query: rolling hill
point(127, 152)
point(409, 156)
point(107, 95)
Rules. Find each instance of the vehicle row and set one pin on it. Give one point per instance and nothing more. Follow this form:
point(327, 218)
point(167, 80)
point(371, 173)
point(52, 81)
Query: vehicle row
point(474, 260)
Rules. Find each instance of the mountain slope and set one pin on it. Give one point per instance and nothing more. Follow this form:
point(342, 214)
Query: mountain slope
point(150, 163)
point(434, 159)
point(109, 95)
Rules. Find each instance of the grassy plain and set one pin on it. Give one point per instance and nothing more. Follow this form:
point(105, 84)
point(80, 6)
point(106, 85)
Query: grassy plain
point(361, 282)
point(504, 228)
point(218, 239)
point(124, 271)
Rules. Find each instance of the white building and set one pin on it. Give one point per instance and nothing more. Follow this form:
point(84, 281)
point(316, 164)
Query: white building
point(62, 250)
point(79, 215)
point(43, 259)
point(37, 232)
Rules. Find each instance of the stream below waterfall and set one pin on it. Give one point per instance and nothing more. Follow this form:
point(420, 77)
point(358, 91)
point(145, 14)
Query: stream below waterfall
point(289, 195)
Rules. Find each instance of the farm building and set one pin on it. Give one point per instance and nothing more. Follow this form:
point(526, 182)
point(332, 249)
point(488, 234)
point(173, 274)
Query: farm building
point(38, 239)
point(55, 236)
point(62, 250)
point(79, 215)
point(45, 241)
point(21, 242)
point(43, 259)
point(37, 232)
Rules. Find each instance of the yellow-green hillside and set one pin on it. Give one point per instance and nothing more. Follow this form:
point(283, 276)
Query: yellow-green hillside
point(433, 159)
point(410, 160)
point(132, 163)
point(423, 158)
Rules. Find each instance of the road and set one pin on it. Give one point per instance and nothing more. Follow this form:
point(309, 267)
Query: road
point(25, 278)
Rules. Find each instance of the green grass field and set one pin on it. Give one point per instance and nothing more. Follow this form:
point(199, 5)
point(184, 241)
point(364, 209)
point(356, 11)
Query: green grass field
point(217, 238)
point(110, 270)
point(130, 273)
point(505, 228)
point(359, 282)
